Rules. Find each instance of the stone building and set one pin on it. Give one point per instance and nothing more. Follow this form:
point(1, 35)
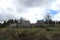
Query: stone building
point(39, 23)
point(24, 24)
point(13, 25)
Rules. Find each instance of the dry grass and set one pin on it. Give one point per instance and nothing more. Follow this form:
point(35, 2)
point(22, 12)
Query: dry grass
point(25, 34)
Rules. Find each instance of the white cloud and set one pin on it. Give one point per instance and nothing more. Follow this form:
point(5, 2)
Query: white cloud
point(57, 17)
point(5, 4)
point(56, 6)
point(30, 9)
point(34, 14)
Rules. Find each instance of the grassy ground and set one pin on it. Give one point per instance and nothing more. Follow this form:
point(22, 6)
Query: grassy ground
point(29, 33)
point(52, 29)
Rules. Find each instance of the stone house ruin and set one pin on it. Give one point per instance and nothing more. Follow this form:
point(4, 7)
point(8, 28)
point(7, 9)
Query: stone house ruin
point(13, 25)
point(39, 23)
point(24, 24)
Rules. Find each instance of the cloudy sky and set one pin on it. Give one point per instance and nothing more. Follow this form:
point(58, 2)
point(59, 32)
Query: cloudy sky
point(32, 10)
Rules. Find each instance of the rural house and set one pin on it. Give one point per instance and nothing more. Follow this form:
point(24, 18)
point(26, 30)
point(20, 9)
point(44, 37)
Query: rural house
point(13, 25)
point(24, 24)
point(39, 23)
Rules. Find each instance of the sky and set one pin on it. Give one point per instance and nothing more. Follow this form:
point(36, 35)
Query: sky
point(32, 10)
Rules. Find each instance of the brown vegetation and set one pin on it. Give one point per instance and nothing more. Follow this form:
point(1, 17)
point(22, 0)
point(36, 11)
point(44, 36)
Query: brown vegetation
point(15, 34)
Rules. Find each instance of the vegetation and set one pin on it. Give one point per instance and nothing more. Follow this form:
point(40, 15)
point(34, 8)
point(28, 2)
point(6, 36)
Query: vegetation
point(49, 30)
point(27, 34)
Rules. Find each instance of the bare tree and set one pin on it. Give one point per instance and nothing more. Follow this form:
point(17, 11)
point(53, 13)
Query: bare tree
point(21, 19)
point(48, 19)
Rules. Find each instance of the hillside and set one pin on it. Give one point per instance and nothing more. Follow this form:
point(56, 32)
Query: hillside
point(28, 34)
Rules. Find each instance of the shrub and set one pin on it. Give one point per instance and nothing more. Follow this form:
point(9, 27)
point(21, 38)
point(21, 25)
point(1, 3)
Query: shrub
point(13, 34)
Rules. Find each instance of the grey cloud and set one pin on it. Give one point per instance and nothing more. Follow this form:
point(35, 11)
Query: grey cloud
point(30, 3)
point(4, 15)
point(22, 4)
point(9, 9)
point(21, 10)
